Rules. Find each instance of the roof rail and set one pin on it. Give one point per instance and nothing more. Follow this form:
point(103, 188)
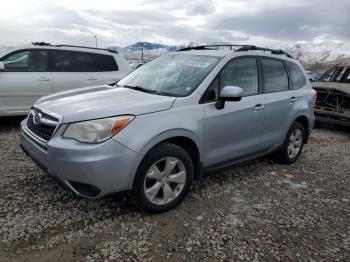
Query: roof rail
point(41, 43)
point(241, 49)
point(87, 47)
point(257, 48)
point(208, 47)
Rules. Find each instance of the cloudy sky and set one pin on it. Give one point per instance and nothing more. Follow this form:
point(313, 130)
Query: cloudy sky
point(173, 21)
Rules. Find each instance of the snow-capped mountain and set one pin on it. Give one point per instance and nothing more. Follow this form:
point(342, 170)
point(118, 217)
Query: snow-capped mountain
point(319, 52)
point(327, 51)
point(149, 46)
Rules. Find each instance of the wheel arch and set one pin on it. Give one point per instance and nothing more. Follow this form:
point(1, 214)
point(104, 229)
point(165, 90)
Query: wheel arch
point(182, 138)
point(304, 120)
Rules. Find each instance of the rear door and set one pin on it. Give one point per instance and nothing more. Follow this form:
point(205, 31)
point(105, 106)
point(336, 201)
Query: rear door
point(73, 69)
point(25, 79)
point(279, 100)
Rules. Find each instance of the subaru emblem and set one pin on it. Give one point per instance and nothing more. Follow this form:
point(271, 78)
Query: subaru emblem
point(37, 118)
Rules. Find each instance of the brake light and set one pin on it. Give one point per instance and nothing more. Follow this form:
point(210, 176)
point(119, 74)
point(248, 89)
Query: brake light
point(313, 95)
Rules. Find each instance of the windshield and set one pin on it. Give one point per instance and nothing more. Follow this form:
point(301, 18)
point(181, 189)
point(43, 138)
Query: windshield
point(174, 74)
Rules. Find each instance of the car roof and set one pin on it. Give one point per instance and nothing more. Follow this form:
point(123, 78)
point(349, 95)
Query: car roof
point(218, 53)
point(63, 47)
point(232, 53)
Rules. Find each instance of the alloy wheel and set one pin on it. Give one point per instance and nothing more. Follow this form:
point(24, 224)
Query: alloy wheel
point(295, 143)
point(165, 180)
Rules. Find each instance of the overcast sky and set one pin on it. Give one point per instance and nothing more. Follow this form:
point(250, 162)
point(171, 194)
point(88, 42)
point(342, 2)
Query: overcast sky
point(173, 21)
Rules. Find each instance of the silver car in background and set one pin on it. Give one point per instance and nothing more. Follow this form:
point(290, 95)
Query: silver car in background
point(172, 119)
point(32, 71)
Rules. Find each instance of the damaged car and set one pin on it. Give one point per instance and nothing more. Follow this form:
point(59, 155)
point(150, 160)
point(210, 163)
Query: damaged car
point(333, 96)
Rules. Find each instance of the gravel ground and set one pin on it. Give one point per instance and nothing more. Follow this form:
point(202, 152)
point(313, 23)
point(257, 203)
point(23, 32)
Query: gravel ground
point(259, 210)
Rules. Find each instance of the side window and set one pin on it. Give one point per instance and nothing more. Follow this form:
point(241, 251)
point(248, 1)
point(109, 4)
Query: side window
point(339, 74)
point(70, 61)
point(346, 78)
point(242, 72)
point(211, 94)
point(296, 74)
point(104, 63)
point(275, 76)
point(328, 75)
point(27, 61)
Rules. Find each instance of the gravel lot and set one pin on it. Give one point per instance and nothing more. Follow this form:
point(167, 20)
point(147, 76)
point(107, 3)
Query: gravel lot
point(259, 210)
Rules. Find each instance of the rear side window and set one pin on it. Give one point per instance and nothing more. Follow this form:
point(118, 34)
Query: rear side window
point(296, 74)
point(26, 61)
point(70, 61)
point(275, 76)
point(104, 63)
point(67, 61)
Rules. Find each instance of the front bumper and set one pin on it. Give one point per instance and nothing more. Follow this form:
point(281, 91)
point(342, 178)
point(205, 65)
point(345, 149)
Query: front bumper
point(89, 170)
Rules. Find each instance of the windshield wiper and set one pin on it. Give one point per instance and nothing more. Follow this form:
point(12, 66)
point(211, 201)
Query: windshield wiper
point(150, 91)
point(142, 89)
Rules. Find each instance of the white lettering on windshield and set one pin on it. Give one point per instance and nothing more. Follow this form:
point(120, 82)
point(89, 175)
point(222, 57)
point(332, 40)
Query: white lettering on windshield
point(197, 63)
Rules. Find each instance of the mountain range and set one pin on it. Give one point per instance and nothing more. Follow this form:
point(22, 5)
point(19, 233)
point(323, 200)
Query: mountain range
point(324, 52)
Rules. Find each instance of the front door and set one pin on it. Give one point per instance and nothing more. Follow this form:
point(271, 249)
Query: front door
point(234, 132)
point(25, 80)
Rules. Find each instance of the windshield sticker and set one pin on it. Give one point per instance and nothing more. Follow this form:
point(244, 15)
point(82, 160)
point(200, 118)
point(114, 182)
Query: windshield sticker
point(198, 64)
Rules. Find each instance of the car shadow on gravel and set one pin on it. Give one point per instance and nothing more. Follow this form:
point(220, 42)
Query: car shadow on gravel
point(330, 127)
point(10, 121)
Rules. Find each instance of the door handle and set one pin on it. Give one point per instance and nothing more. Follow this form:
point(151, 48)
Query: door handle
point(44, 79)
point(258, 107)
point(293, 99)
point(92, 79)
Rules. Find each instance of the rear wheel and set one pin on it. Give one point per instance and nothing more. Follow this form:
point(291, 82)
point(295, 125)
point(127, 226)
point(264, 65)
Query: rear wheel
point(163, 179)
point(293, 144)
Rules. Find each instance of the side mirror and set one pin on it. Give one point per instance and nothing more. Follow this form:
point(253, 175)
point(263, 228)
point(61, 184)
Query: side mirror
point(229, 93)
point(2, 66)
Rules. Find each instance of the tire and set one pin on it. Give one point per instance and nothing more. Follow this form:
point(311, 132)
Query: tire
point(284, 155)
point(166, 168)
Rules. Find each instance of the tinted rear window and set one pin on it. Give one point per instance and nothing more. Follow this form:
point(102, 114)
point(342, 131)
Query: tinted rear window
point(296, 74)
point(104, 63)
point(70, 61)
point(275, 76)
point(66, 61)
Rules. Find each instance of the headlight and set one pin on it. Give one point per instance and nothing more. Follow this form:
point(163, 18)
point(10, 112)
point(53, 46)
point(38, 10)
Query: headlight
point(97, 131)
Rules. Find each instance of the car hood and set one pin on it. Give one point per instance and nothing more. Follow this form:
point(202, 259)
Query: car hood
point(102, 101)
point(345, 87)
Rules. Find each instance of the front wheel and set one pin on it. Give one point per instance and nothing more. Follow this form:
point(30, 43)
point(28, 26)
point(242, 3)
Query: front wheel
point(293, 144)
point(163, 179)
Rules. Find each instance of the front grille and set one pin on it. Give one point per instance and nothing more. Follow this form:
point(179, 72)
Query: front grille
point(43, 131)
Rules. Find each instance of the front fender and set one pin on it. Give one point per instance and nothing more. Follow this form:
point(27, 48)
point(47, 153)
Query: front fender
point(171, 134)
point(148, 130)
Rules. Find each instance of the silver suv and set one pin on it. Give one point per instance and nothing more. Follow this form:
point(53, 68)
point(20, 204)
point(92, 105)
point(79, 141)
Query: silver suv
point(164, 124)
point(32, 71)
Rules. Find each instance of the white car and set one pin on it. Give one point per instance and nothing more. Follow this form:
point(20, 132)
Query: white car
point(30, 72)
